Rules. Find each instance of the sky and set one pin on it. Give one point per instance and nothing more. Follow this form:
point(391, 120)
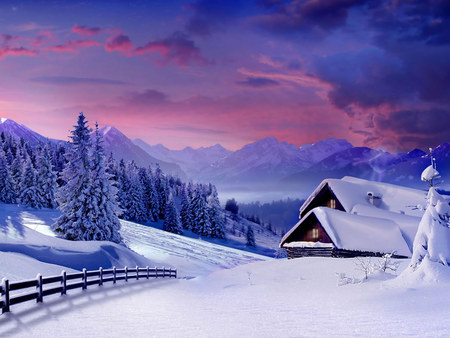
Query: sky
point(197, 73)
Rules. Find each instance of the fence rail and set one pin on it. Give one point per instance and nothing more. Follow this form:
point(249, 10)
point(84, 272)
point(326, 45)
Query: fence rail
point(9, 297)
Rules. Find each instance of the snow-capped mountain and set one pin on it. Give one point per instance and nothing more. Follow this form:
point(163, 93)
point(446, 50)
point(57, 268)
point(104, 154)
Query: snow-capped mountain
point(16, 130)
point(192, 161)
point(122, 147)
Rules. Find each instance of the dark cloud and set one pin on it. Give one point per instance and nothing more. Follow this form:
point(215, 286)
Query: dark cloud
point(195, 130)
point(86, 30)
point(70, 80)
point(120, 43)
point(258, 82)
point(209, 16)
point(150, 96)
point(17, 51)
point(177, 48)
point(305, 15)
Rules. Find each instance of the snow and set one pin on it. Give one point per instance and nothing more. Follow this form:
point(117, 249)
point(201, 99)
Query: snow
point(283, 298)
point(429, 173)
point(355, 232)
point(352, 191)
point(3, 119)
point(256, 297)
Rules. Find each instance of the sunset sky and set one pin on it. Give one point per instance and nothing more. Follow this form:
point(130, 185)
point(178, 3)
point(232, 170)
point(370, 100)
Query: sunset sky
point(231, 72)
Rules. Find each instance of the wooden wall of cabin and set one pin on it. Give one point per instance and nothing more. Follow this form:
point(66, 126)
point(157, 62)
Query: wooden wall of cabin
point(310, 231)
point(325, 198)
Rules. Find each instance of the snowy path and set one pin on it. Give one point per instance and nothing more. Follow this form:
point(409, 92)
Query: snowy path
point(264, 299)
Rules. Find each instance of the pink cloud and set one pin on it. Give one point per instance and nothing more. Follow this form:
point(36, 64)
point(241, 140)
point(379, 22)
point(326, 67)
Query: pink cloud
point(120, 43)
point(72, 46)
point(5, 51)
point(177, 48)
point(85, 30)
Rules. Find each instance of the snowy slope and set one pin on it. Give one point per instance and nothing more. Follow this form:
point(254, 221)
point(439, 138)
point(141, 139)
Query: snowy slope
point(295, 298)
point(16, 130)
point(26, 232)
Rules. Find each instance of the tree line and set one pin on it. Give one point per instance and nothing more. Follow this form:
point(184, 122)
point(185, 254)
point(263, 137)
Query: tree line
point(93, 191)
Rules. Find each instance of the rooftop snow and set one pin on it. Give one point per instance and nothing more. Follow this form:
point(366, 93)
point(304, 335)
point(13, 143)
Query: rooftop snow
point(352, 191)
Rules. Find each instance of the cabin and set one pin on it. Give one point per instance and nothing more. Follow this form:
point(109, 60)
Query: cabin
point(351, 217)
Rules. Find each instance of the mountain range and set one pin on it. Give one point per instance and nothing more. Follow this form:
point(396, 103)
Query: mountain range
point(267, 166)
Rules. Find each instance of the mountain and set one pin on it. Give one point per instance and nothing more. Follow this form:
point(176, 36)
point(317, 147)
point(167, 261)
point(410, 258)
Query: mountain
point(16, 130)
point(122, 147)
point(268, 159)
point(192, 161)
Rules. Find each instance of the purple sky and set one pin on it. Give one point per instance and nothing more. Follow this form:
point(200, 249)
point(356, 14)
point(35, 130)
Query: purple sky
point(199, 73)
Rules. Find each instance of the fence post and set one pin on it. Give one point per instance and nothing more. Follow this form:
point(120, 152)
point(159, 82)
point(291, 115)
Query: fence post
point(148, 272)
point(39, 288)
point(5, 292)
point(164, 271)
point(175, 273)
point(114, 275)
point(156, 272)
point(126, 274)
point(100, 283)
point(137, 272)
point(84, 279)
point(64, 282)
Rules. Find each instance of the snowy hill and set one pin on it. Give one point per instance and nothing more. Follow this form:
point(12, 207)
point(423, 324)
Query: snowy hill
point(123, 148)
point(16, 130)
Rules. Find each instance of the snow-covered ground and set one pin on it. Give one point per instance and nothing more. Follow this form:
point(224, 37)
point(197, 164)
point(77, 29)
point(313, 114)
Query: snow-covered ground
point(255, 297)
point(263, 299)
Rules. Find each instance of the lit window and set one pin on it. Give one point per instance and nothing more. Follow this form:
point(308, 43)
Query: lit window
point(315, 233)
point(332, 204)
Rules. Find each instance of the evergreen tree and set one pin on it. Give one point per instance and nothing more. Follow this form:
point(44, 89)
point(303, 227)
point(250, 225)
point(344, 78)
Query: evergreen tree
point(162, 191)
point(232, 206)
point(152, 197)
point(105, 223)
point(171, 219)
point(201, 220)
point(73, 198)
point(186, 212)
point(215, 215)
point(7, 194)
point(29, 195)
point(46, 180)
point(134, 205)
point(16, 173)
point(250, 237)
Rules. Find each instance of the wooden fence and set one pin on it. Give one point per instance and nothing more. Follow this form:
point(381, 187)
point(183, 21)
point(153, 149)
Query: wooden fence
point(80, 280)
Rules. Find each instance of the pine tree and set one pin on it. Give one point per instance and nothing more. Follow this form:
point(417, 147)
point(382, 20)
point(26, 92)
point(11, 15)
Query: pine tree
point(29, 195)
point(162, 191)
point(250, 237)
point(186, 212)
point(215, 215)
point(46, 180)
point(73, 198)
point(7, 194)
point(153, 197)
point(134, 206)
point(201, 219)
point(171, 219)
point(105, 223)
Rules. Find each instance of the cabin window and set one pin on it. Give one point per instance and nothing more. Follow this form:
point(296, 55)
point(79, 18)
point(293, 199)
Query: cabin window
point(315, 233)
point(332, 203)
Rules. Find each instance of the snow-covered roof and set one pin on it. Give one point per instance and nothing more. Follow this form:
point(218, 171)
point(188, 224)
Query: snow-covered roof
point(362, 233)
point(351, 191)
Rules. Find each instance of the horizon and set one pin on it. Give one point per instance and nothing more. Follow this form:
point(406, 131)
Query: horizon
point(197, 73)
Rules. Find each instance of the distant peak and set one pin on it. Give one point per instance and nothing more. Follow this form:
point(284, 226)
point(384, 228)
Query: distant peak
point(108, 129)
point(3, 119)
point(269, 140)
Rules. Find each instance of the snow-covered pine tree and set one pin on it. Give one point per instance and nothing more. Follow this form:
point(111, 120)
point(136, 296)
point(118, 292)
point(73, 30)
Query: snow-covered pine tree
point(73, 197)
point(46, 179)
point(186, 212)
point(172, 219)
point(162, 191)
point(102, 197)
point(29, 195)
point(123, 185)
point(7, 194)
point(215, 215)
point(134, 207)
point(16, 169)
point(250, 237)
point(146, 185)
point(153, 197)
point(201, 221)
